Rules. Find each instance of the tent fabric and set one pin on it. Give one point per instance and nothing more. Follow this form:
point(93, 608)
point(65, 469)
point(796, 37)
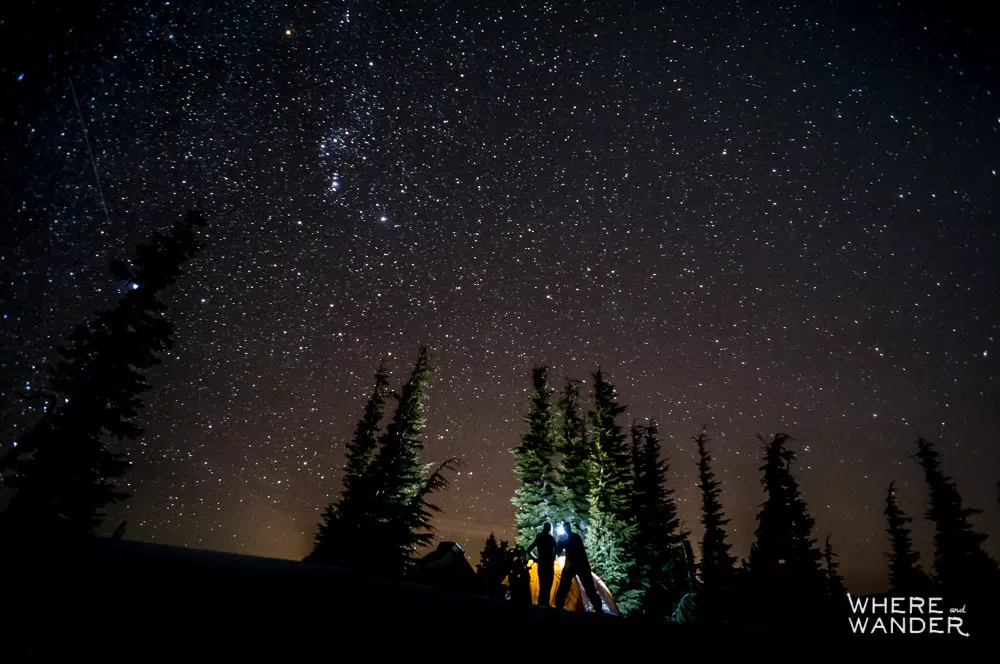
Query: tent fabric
point(446, 567)
point(577, 599)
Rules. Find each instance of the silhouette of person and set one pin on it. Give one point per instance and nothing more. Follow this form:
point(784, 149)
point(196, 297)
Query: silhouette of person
point(577, 565)
point(546, 545)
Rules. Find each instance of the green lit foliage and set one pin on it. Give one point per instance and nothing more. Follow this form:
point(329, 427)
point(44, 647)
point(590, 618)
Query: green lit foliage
point(534, 499)
point(574, 472)
point(610, 528)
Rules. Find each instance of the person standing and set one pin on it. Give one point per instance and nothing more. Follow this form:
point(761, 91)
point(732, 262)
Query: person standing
point(577, 565)
point(546, 560)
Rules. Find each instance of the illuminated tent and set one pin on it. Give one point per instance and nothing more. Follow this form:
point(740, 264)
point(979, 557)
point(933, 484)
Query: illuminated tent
point(577, 599)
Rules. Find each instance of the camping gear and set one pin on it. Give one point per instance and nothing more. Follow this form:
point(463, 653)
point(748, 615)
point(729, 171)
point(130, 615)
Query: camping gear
point(446, 567)
point(577, 599)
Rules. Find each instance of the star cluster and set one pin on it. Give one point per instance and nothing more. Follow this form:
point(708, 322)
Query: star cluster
point(760, 218)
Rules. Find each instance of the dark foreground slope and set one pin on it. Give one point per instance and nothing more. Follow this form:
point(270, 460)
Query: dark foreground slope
point(129, 601)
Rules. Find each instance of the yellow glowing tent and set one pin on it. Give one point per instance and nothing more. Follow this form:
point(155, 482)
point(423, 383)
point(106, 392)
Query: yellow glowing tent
point(577, 599)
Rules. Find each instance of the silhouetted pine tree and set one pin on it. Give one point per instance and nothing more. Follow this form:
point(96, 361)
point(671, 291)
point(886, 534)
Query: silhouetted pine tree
point(421, 511)
point(534, 499)
point(575, 469)
point(905, 575)
point(347, 522)
point(660, 571)
point(62, 469)
point(640, 582)
point(717, 563)
point(834, 581)
point(635, 453)
point(493, 567)
point(784, 561)
point(960, 564)
point(401, 513)
point(519, 577)
point(609, 533)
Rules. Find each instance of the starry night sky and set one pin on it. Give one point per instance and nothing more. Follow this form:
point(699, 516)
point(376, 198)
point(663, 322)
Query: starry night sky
point(757, 216)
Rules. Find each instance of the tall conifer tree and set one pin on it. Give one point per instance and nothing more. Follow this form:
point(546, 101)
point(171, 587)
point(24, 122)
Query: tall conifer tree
point(905, 575)
point(784, 560)
point(636, 453)
point(716, 565)
point(493, 566)
point(610, 529)
point(347, 522)
point(834, 580)
point(400, 510)
point(960, 564)
point(534, 499)
point(575, 469)
point(63, 470)
point(641, 582)
point(660, 572)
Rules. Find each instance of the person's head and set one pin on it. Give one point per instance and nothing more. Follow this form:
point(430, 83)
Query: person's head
point(546, 527)
point(568, 526)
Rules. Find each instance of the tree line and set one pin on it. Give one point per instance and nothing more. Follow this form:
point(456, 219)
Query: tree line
point(585, 468)
point(62, 471)
point(574, 463)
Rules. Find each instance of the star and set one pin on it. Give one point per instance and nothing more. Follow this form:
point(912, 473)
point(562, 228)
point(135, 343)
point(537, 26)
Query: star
point(802, 285)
